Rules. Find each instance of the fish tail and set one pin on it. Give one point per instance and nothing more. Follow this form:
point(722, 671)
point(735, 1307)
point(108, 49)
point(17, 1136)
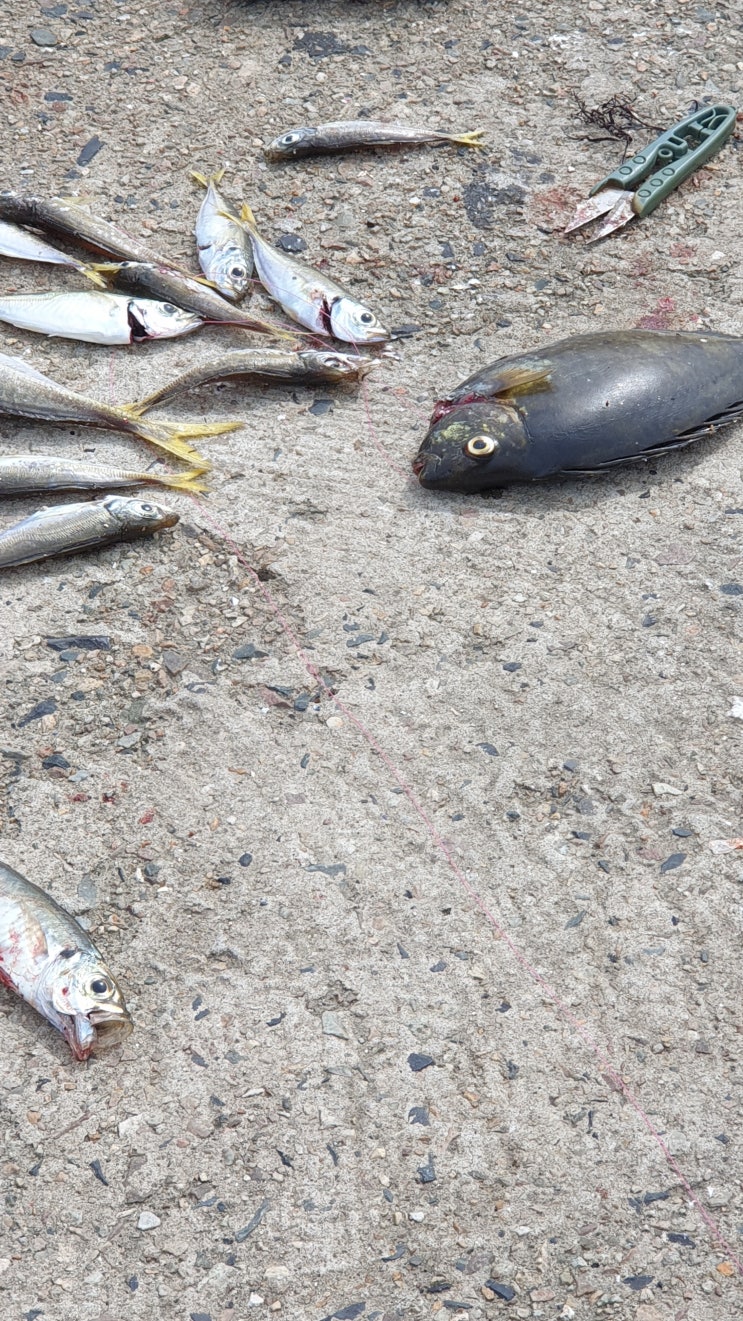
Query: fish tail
point(474, 139)
point(205, 180)
point(248, 219)
point(195, 480)
point(97, 269)
point(92, 274)
point(173, 437)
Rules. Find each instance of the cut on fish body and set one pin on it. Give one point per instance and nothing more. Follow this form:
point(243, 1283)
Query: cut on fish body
point(66, 529)
point(355, 134)
point(97, 317)
point(47, 959)
point(306, 367)
point(26, 392)
point(225, 253)
point(309, 296)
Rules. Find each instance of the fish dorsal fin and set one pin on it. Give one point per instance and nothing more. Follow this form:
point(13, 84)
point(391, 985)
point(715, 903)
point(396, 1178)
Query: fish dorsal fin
point(25, 368)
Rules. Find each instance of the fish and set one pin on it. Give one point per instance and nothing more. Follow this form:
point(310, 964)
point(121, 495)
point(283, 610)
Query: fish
point(306, 367)
point(582, 405)
point(66, 218)
point(153, 280)
point(26, 392)
point(354, 134)
point(66, 529)
point(47, 959)
point(225, 253)
point(97, 317)
point(136, 266)
point(309, 296)
point(24, 474)
point(22, 246)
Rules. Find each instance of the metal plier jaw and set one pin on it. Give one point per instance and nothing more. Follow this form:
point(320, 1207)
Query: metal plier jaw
point(672, 158)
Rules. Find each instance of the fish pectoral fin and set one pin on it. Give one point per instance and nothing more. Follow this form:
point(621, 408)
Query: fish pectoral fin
point(521, 380)
point(706, 429)
point(103, 268)
point(247, 218)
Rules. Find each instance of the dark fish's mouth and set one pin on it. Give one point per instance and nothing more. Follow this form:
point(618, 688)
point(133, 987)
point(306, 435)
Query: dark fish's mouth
point(425, 467)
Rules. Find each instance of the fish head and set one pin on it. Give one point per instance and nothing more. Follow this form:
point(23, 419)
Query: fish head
point(289, 144)
point(85, 1002)
point(353, 322)
point(137, 516)
point(231, 273)
point(150, 319)
point(335, 366)
point(472, 447)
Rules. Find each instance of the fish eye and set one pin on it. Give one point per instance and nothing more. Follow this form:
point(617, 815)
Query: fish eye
point(237, 272)
point(366, 317)
point(289, 138)
point(147, 509)
point(169, 309)
point(480, 447)
point(99, 987)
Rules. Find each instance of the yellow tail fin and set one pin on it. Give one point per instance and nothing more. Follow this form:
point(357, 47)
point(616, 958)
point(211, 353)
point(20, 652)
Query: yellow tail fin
point(186, 481)
point(474, 139)
point(92, 274)
point(173, 437)
point(215, 178)
point(247, 217)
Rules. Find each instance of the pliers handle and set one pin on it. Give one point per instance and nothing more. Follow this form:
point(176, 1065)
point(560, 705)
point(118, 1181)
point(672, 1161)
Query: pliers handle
point(678, 153)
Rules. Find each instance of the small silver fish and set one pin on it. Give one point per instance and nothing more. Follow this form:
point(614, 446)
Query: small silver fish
point(65, 529)
point(306, 367)
point(25, 474)
point(47, 958)
point(95, 317)
point(309, 296)
point(225, 254)
point(355, 134)
point(26, 392)
point(22, 246)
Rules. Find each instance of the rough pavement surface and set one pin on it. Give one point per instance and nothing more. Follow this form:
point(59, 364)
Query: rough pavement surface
point(344, 1097)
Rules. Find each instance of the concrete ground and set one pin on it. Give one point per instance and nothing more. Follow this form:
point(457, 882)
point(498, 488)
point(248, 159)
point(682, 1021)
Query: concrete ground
point(552, 673)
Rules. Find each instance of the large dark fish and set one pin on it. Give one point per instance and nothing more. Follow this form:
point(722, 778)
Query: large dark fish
point(582, 405)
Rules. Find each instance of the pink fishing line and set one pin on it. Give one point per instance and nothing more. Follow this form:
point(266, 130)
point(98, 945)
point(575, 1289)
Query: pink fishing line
point(598, 1051)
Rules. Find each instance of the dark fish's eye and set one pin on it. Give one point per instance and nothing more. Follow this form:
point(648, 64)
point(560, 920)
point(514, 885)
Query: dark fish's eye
point(366, 317)
point(480, 447)
point(99, 987)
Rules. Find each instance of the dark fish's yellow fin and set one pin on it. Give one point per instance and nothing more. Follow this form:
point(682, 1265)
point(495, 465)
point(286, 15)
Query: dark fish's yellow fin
point(521, 379)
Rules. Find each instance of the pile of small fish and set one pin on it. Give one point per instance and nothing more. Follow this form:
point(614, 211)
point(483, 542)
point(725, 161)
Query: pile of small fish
point(154, 298)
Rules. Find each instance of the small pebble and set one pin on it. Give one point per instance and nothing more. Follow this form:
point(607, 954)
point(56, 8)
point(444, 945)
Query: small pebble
point(148, 1220)
point(419, 1062)
point(43, 37)
point(417, 1216)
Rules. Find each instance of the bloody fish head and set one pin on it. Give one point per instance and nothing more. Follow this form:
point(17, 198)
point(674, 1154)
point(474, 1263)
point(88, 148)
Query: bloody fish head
point(81, 997)
point(472, 447)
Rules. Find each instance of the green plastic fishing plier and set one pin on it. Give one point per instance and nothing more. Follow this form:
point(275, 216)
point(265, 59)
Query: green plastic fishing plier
point(671, 158)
